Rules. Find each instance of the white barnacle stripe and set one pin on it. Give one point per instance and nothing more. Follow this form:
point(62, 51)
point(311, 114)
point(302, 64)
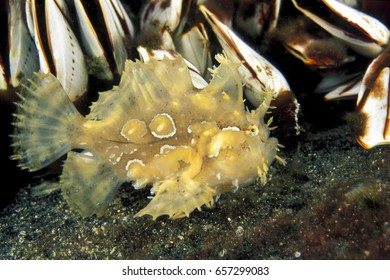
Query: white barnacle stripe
point(162, 126)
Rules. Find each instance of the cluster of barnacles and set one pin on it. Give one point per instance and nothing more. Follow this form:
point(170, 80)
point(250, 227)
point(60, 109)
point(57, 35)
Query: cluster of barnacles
point(77, 40)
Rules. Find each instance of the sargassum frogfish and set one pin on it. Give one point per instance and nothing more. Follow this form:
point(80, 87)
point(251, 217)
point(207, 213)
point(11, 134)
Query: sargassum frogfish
point(153, 129)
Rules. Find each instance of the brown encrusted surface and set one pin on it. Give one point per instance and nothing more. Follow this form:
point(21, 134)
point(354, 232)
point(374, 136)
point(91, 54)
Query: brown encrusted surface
point(331, 201)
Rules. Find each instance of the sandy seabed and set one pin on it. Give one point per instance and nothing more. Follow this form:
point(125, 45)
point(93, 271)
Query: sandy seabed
point(331, 201)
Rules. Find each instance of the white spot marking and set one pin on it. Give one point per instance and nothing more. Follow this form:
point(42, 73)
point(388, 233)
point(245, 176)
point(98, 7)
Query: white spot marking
point(160, 127)
point(125, 133)
point(232, 128)
point(165, 148)
point(118, 159)
point(134, 161)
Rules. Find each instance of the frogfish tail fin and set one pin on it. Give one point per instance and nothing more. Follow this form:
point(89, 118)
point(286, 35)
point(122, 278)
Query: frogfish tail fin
point(44, 124)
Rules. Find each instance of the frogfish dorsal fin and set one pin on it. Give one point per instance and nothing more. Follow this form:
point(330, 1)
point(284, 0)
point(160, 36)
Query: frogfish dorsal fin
point(226, 78)
point(142, 85)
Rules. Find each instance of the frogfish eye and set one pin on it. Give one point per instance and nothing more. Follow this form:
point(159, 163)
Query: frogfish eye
point(252, 130)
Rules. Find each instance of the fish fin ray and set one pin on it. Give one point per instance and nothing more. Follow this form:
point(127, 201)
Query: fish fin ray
point(178, 198)
point(88, 185)
point(226, 78)
point(143, 85)
point(44, 122)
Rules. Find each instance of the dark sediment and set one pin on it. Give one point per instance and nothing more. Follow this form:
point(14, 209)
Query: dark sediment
point(331, 201)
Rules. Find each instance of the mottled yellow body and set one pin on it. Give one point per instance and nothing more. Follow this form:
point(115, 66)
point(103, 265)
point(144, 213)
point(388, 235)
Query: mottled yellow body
point(154, 129)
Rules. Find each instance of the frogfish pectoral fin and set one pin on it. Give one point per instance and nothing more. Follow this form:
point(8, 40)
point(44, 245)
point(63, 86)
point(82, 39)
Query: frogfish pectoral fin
point(178, 197)
point(87, 184)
